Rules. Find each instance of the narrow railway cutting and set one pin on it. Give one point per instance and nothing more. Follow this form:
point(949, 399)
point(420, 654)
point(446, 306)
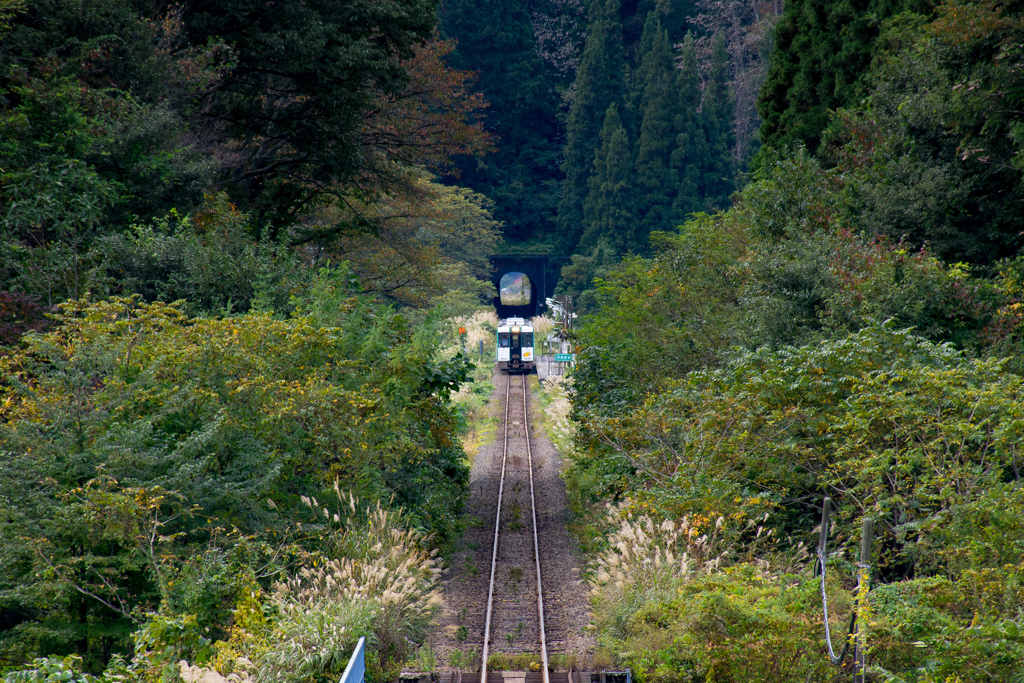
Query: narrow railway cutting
point(512, 612)
point(515, 588)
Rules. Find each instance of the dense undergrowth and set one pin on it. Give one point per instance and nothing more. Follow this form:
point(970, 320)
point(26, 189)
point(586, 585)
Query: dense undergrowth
point(225, 299)
point(714, 410)
point(704, 569)
point(161, 468)
point(767, 357)
point(226, 296)
point(474, 397)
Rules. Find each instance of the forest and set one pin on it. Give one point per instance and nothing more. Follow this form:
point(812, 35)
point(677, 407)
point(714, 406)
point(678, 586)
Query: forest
point(236, 236)
point(848, 326)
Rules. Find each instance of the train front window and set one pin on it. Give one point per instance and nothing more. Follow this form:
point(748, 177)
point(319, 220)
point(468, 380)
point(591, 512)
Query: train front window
point(515, 339)
point(527, 338)
point(503, 340)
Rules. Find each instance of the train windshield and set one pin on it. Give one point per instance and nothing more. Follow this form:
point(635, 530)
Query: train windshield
point(503, 340)
point(527, 338)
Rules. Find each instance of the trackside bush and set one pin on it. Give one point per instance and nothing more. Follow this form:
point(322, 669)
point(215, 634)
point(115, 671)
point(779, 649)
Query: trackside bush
point(148, 452)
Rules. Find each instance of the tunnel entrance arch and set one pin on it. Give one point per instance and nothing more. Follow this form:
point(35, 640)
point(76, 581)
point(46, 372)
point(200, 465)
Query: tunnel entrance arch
point(541, 270)
point(515, 289)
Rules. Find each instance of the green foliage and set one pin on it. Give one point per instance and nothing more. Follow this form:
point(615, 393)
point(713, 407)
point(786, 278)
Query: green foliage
point(925, 137)
point(598, 86)
point(815, 275)
point(163, 641)
point(690, 152)
point(304, 75)
point(668, 315)
point(822, 52)
point(937, 125)
point(497, 40)
point(59, 210)
point(762, 360)
point(850, 328)
point(892, 426)
point(971, 536)
point(609, 210)
point(742, 624)
point(132, 429)
point(717, 115)
point(938, 629)
point(51, 670)
point(209, 262)
point(668, 605)
point(370, 576)
point(673, 156)
point(92, 112)
point(428, 248)
point(915, 435)
point(654, 180)
point(118, 114)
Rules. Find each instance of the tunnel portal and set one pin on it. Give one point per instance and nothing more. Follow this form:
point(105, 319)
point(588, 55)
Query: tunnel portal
point(540, 270)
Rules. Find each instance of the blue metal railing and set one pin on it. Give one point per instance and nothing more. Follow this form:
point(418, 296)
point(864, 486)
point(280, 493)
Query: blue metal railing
point(355, 672)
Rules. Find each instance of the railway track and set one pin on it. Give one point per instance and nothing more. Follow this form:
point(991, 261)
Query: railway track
point(516, 587)
point(499, 595)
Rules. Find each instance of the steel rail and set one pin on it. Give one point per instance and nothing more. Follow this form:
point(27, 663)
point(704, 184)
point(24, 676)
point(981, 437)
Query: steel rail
point(494, 550)
point(536, 545)
point(536, 542)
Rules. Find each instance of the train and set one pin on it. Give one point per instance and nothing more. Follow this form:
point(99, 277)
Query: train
point(515, 345)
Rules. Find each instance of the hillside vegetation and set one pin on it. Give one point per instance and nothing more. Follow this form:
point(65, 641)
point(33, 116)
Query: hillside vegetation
point(234, 235)
point(851, 327)
point(227, 273)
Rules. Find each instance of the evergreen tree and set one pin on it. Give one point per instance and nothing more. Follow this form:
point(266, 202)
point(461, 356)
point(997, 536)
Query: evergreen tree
point(609, 213)
point(822, 52)
point(636, 80)
point(598, 85)
point(675, 16)
point(495, 39)
point(718, 176)
point(655, 179)
point(690, 154)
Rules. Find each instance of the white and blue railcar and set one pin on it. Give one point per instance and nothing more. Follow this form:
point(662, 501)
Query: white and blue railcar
point(515, 345)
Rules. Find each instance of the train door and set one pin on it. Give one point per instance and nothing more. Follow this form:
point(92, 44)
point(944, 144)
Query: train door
point(503, 350)
point(515, 346)
point(515, 356)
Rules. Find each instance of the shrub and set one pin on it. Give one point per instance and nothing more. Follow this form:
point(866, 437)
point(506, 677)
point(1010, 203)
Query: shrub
point(937, 629)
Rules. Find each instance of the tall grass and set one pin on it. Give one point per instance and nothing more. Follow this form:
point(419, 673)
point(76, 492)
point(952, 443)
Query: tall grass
point(556, 407)
point(372, 577)
point(644, 562)
point(474, 397)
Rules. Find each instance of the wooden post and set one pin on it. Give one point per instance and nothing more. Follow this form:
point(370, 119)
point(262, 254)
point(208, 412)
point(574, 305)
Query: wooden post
point(860, 659)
